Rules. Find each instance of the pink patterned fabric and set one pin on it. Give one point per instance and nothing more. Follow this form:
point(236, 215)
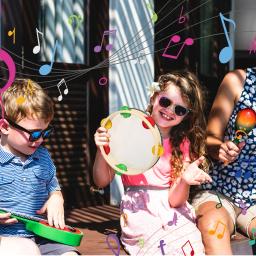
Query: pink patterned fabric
point(159, 175)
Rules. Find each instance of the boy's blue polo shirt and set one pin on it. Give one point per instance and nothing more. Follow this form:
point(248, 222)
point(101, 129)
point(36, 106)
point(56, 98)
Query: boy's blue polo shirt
point(25, 187)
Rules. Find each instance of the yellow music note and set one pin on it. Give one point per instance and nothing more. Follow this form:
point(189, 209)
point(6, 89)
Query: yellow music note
point(141, 242)
point(154, 16)
point(220, 234)
point(12, 33)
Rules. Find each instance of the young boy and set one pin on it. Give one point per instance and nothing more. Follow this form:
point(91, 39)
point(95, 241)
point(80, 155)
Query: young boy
point(28, 182)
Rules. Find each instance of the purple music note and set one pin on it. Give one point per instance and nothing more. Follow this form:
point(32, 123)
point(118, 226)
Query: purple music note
point(182, 18)
point(114, 237)
point(176, 39)
point(108, 47)
point(226, 53)
point(46, 68)
point(174, 220)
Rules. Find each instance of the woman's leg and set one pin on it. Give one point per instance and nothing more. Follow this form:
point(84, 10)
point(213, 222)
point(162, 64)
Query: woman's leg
point(216, 226)
point(18, 246)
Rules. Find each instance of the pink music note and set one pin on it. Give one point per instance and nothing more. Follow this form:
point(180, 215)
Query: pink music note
point(62, 81)
point(46, 68)
point(213, 231)
point(7, 59)
point(108, 47)
point(182, 18)
point(253, 46)
point(37, 48)
point(176, 39)
point(187, 249)
point(226, 53)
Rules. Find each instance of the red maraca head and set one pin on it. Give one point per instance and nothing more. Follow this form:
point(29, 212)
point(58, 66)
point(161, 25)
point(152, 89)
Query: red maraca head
point(246, 120)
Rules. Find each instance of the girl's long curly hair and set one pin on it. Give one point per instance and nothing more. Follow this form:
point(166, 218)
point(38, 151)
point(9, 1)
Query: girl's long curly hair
point(193, 126)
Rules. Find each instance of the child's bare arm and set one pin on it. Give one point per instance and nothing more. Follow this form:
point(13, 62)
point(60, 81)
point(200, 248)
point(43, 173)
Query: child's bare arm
point(102, 172)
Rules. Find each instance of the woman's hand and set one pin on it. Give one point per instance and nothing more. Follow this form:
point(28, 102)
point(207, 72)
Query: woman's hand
point(229, 151)
point(193, 175)
point(101, 137)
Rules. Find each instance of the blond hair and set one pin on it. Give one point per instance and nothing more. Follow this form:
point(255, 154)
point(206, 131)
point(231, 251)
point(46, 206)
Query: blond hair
point(25, 98)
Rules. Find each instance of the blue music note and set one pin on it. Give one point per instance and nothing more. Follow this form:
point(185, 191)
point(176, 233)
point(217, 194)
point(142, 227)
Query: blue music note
point(46, 68)
point(226, 53)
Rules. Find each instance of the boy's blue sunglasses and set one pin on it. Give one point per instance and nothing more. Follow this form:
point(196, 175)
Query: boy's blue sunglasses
point(34, 134)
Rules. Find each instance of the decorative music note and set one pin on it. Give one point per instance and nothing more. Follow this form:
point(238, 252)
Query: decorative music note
point(62, 81)
point(141, 58)
point(176, 39)
point(242, 205)
point(154, 17)
point(113, 236)
point(141, 242)
point(12, 33)
point(78, 21)
point(213, 231)
point(37, 48)
point(174, 220)
point(188, 249)
point(253, 46)
point(108, 47)
point(182, 18)
point(218, 205)
point(226, 53)
point(103, 80)
point(7, 59)
point(125, 217)
point(252, 242)
point(46, 68)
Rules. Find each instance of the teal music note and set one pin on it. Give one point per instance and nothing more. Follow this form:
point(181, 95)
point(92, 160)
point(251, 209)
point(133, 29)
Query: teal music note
point(226, 53)
point(47, 68)
point(252, 242)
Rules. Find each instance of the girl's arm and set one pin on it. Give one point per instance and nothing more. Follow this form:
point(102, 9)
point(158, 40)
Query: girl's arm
point(192, 175)
point(103, 174)
point(227, 96)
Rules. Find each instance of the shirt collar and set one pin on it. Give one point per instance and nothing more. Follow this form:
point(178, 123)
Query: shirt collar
point(6, 156)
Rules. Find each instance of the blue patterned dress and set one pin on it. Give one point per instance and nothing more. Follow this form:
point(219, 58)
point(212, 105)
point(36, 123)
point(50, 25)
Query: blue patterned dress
point(237, 180)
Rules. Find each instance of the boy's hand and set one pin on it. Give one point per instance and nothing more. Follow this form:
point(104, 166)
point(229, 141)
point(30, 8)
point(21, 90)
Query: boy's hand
point(229, 151)
point(6, 220)
point(55, 210)
point(194, 175)
point(101, 137)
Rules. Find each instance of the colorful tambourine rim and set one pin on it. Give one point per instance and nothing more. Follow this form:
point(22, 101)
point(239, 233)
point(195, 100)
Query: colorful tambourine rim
point(135, 143)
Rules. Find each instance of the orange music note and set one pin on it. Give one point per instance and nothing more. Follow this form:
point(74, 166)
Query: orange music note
point(62, 81)
point(213, 231)
point(37, 48)
point(125, 217)
point(188, 248)
point(12, 33)
point(252, 242)
point(176, 39)
point(108, 47)
point(182, 18)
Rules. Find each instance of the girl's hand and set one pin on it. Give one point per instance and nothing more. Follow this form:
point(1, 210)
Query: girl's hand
point(6, 220)
point(229, 151)
point(101, 137)
point(193, 175)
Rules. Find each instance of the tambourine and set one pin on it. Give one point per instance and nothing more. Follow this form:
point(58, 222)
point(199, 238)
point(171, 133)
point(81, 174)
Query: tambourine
point(135, 144)
point(68, 235)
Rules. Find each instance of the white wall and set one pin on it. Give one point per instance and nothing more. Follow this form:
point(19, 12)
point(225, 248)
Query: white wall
point(128, 80)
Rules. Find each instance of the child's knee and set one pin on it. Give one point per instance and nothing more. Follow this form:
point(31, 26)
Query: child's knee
point(18, 246)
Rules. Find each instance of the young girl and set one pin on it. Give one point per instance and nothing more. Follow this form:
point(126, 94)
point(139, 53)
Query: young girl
point(155, 215)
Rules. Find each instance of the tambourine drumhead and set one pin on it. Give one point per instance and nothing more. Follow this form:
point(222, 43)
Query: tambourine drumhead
point(135, 143)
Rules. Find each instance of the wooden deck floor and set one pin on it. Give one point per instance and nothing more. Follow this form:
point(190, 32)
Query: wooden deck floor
point(96, 223)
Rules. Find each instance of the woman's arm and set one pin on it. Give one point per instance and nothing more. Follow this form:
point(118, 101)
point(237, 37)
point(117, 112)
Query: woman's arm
point(103, 174)
point(227, 96)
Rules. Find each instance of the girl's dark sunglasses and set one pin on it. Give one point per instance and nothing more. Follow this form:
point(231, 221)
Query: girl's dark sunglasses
point(34, 134)
point(178, 109)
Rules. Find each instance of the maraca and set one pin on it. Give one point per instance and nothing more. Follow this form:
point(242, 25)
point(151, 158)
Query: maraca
point(245, 122)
